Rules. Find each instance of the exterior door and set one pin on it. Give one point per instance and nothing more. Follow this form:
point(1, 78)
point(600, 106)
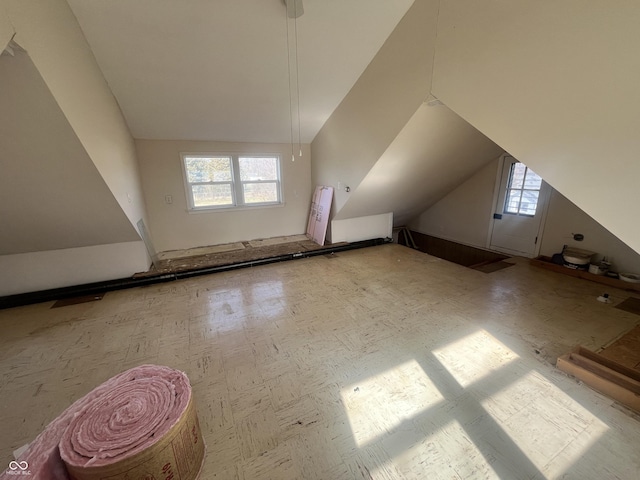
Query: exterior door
point(519, 210)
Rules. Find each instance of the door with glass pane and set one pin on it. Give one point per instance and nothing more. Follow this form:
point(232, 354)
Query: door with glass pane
point(520, 207)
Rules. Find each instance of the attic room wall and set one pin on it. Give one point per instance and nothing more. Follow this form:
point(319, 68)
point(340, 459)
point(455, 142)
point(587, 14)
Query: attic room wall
point(555, 84)
point(464, 216)
point(49, 32)
point(173, 227)
point(564, 219)
point(381, 102)
point(32, 272)
point(53, 201)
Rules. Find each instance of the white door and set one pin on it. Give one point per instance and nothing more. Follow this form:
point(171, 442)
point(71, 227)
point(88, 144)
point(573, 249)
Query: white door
point(519, 210)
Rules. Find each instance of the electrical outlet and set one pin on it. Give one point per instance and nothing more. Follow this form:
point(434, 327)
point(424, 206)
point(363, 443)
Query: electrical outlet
point(168, 199)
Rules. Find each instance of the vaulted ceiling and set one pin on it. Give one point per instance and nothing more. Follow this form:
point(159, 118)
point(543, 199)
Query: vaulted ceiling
point(218, 70)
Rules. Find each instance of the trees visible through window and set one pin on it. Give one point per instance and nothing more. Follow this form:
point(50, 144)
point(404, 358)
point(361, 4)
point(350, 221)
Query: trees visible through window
point(224, 181)
point(523, 191)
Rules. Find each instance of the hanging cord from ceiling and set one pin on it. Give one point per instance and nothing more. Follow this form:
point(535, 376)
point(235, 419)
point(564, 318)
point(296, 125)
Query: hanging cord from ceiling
point(294, 9)
point(293, 157)
point(295, 24)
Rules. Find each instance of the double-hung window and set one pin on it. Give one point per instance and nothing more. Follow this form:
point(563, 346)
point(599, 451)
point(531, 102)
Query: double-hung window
point(215, 181)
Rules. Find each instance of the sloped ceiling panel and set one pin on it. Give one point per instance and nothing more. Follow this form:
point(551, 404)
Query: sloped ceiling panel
point(434, 153)
point(217, 70)
point(556, 84)
point(51, 195)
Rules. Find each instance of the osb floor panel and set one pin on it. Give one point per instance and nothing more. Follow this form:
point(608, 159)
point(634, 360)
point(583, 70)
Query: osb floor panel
point(625, 350)
point(228, 254)
point(382, 363)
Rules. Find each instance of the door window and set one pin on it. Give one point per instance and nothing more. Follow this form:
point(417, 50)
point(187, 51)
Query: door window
point(523, 191)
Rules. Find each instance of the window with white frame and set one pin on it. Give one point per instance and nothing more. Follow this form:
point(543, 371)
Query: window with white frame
point(217, 181)
point(523, 191)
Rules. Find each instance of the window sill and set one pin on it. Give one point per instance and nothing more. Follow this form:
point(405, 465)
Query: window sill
point(233, 208)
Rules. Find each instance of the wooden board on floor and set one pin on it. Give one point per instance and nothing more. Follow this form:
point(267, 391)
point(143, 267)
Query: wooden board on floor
point(604, 375)
point(545, 262)
point(77, 300)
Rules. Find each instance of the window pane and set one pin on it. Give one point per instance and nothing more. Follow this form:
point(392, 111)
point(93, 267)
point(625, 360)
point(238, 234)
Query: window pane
point(512, 205)
point(532, 181)
point(517, 175)
point(529, 202)
point(252, 169)
point(208, 169)
point(260, 192)
point(211, 195)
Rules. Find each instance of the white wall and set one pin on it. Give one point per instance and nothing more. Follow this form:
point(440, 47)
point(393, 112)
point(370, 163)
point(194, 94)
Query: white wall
point(556, 85)
point(361, 228)
point(49, 32)
point(173, 227)
point(379, 105)
point(564, 219)
point(30, 272)
point(463, 215)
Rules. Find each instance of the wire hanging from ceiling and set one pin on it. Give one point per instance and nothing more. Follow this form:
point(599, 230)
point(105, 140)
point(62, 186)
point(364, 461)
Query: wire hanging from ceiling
point(294, 9)
point(293, 157)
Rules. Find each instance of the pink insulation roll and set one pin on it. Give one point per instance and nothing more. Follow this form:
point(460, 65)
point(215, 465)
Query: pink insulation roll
point(141, 424)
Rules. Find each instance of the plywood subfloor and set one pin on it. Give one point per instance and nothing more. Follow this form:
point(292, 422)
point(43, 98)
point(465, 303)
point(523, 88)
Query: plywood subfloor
point(229, 254)
point(265, 242)
point(625, 350)
point(381, 363)
point(198, 251)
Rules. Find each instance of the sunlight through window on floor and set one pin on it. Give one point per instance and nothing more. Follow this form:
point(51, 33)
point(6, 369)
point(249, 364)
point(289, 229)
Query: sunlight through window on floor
point(382, 402)
point(474, 357)
point(554, 426)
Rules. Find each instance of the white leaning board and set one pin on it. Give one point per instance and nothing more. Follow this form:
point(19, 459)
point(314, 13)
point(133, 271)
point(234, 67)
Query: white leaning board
point(319, 215)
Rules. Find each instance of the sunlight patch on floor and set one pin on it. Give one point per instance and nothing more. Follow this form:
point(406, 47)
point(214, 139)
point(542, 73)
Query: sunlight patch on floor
point(382, 402)
point(543, 421)
point(474, 357)
point(448, 453)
